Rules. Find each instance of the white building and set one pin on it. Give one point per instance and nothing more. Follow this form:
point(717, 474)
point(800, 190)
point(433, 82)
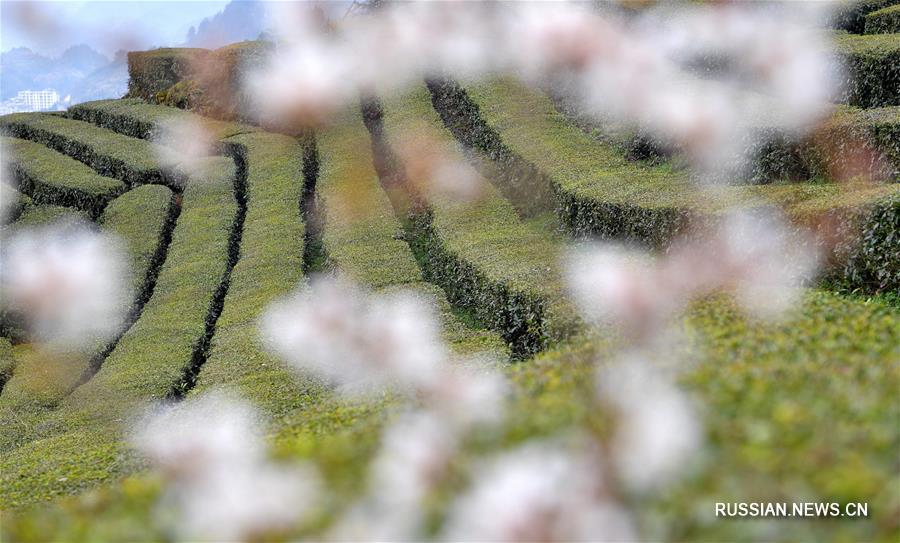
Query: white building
point(37, 100)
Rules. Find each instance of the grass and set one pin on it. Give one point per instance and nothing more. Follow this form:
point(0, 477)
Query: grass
point(41, 215)
point(42, 379)
point(491, 262)
point(130, 160)
point(49, 177)
point(81, 442)
point(801, 410)
point(884, 21)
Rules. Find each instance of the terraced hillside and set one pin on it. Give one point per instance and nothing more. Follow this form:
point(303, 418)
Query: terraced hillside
point(800, 409)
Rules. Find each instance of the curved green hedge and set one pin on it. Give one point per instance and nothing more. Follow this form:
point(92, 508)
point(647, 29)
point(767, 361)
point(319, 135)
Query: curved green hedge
point(599, 192)
point(490, 261)
point(14, 201)
point(127, 159)
point(884, 21)
point(140, 219)
point(49, 177)
point(270, 266)
point(873, 65)
point(364, 239)
point(138, 119)
point(151, 72)
point(41, 215)
point(147, 364)
point(786, 405)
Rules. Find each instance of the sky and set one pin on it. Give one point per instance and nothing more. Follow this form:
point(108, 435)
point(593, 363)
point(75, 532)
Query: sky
point(51, 27)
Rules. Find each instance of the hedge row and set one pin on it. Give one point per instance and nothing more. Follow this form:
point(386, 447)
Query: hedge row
point(272, 248)
point(12, 324)
point(208, 82)
point(871, 258)
point(364, 239)
point(884, 21)
point(142, 220)
point(871, 134)
point(138, 119)
point(517, 179)
point(470, 117)
point(49, 177)
point(851, 16)
point(7, 362)
point(270, 266)
point(14, 203)
point(127, 159)
point(873, 69)
point(270, 263)
point(774, 156)
point(601, 193)
point(784, 404)
point(488, 260)
point(150, 72)
point(148, 363)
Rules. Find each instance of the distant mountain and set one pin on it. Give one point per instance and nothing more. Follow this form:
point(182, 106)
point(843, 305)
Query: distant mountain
point(80, 72)
point(83, 58)
point(108, 81)
point(240, 20)
point(18, 69)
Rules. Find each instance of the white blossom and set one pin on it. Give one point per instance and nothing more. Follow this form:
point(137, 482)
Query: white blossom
point(221, 486)
point(768, 259)
point(469, 395)
point(68, 281)
point(657, 431)
point(641, 70)
point(243, 502)
point(335, 330)
point(613, 284)
point(199, 434)
point(414, 456)
point(539, 492)
point(184, 145)
point(754, 254)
